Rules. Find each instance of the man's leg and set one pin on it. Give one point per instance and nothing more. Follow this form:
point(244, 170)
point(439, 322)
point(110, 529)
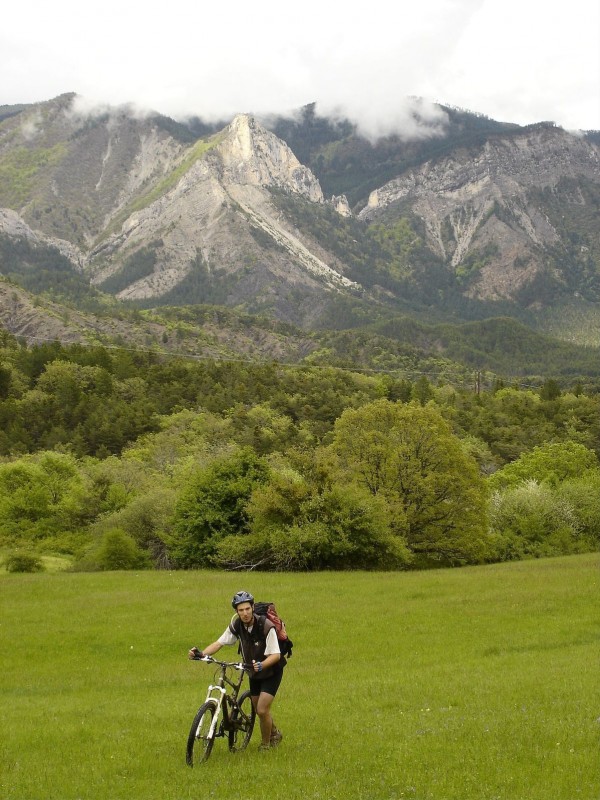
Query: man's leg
point(262, 704)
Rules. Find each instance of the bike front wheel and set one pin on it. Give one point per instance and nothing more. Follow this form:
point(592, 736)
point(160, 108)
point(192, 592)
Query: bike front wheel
point(200, 741)
point(242, 720)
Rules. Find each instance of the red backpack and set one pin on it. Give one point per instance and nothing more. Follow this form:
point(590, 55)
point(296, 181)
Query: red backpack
point(269, 611)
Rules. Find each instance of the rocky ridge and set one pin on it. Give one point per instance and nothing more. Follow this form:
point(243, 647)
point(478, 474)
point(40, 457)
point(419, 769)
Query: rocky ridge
point(482, 199)
point(139, 190)
point(148, 212)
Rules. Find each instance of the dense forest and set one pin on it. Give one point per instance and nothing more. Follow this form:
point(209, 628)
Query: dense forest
point(125, 459)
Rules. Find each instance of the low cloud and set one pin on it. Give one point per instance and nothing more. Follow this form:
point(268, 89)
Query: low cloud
point(507, 61)
point(31, 125)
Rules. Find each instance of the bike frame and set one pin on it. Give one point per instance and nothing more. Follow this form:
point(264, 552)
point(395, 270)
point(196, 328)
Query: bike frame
point(218, 691)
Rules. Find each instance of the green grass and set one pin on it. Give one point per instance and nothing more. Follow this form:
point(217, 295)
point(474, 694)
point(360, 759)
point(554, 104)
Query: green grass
point(471, 684)
point(51, 563)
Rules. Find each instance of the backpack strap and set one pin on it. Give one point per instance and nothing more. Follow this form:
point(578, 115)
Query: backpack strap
point(260, 625)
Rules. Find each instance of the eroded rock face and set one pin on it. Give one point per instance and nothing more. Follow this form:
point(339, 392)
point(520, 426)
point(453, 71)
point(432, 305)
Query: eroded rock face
point(117, 187)
point(484, 202)
point(213, 211)
point(133, 199)
point(252, 155)
point(341, 205)
point(11, 224)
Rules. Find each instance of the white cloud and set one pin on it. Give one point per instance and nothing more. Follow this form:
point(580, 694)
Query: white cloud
point(517, 61)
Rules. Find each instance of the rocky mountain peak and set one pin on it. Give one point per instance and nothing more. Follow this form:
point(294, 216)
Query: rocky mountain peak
point(147, 210)
point(251, 154)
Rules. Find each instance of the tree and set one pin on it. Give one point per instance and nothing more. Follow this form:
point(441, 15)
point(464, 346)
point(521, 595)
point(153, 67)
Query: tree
point(531, 520)
point(214, 505)
point(550, 464)
point(40, 497)
point(550, 390)
point(582, 494)
point(422, 391)
point(511, 421)
point(303, 522)
point(408, 454)
point(262, 428)
point(114, 550)
point(147, 519)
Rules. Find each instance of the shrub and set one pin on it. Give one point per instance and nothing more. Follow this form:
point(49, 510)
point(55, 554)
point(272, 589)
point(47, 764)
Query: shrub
point(23, 562)
point(531, 520)
point(115, 550)
point(583, 495)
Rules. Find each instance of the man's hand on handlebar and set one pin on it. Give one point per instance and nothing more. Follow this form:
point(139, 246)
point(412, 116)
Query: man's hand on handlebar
point(197, 655)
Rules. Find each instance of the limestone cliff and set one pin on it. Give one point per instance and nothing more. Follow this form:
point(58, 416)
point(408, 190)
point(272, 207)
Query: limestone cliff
point(251, 155)
point(147, 211)
point(142, 211)
point(487, 205)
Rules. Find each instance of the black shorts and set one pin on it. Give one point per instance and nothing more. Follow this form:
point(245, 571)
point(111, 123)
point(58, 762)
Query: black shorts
point(268, 685)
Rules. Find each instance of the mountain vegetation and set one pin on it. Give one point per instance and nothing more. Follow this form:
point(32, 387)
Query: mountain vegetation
point(117, 454)
point(284, 346)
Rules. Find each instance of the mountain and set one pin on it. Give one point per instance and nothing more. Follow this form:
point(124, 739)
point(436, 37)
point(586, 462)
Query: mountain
point(302, 218)
point(514, 219)
point(146, 214)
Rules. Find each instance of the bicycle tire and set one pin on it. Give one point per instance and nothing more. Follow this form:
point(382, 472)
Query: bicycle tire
point(242, 722)
point(199, 743)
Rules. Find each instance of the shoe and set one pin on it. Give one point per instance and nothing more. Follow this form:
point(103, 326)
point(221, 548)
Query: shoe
point(276, 737)
point(263, 747)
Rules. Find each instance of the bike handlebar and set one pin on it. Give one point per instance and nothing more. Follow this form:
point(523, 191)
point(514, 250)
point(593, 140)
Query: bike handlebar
point(234, 664)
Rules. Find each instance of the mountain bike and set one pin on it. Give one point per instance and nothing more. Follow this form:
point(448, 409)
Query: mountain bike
point(238, 713)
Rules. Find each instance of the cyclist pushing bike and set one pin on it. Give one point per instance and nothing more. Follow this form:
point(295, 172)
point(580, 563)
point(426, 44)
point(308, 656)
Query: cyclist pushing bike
point(260, 649)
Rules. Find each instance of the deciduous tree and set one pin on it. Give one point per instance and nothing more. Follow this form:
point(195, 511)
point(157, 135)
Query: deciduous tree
point(408, 455)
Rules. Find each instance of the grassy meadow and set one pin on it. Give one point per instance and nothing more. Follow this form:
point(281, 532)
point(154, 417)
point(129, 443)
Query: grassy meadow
point(478, 683)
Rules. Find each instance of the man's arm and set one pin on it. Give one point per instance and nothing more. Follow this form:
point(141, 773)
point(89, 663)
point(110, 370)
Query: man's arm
point(272, 653)
point(209, 650)
point(267, 662)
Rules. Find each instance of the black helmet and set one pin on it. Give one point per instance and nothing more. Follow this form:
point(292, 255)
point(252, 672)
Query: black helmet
point(242, 597)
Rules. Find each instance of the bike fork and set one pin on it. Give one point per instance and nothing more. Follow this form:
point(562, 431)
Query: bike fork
point(216, 715)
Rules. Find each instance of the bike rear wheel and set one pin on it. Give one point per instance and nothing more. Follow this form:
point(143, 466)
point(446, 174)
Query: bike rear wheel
point(241, 721)
point(200, 741)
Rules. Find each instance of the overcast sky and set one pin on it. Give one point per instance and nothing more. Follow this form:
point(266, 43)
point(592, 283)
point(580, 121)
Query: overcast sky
point(514, 60)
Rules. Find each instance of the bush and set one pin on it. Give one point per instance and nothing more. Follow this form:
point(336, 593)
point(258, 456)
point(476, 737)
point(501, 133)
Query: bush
point(146, 519)
point(296, 525)
point(115, 550)
point(532, 521)
point(23, 562)
point(583, 495)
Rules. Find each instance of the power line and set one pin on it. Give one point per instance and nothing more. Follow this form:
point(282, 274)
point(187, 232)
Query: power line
point(460, 379)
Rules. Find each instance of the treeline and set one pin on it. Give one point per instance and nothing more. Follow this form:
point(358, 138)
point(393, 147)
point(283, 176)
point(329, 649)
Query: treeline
point(123, 460)
point(42, 269)
point(346, 162)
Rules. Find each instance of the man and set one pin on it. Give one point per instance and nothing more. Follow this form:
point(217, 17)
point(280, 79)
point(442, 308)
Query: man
point(260, 648)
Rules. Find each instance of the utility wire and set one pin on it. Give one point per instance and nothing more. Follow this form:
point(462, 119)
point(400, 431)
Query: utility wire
point(460, 380)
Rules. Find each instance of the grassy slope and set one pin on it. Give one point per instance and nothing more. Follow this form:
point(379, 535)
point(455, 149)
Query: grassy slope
point(474, 683)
